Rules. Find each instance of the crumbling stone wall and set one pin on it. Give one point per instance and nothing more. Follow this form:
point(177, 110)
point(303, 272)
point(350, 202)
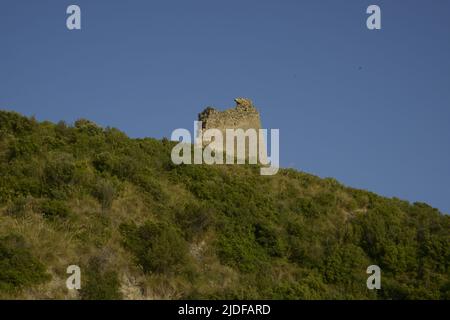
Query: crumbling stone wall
point(243, 116)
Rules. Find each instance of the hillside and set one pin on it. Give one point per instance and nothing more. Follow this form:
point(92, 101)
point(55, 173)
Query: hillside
point(142, 228)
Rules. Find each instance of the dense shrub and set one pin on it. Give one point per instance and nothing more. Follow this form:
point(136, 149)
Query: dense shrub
point(15, 123)
point(58, 176)
point(194, 220)
point(269, 238)
point(99, 282)
point(19, 269)
point(52, 209)
point(236, 247)
point(88, 127)
point(105, 191)
point(158, 247)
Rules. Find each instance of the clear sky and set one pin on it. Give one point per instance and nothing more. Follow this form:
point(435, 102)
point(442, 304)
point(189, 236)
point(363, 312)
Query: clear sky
point(369, 108)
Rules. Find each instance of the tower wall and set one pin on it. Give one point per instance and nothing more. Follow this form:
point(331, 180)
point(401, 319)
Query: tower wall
point(243, 116)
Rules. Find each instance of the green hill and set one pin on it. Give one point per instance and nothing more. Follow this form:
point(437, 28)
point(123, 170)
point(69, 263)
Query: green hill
point(140, 227)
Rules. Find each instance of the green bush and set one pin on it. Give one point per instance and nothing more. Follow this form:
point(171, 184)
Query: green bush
point(16, 123)
point(59, 173)
point(98, 283)
point(52, 209)
point(150, 185)
point(88, 127)
point(19, 269)
point(23, 147)
point(194, 220)
point(103, 162)
point(271, 240)
point(105, 191)
point(236, 247)
point(346, 265)
point(157, 246)
point(306, 207)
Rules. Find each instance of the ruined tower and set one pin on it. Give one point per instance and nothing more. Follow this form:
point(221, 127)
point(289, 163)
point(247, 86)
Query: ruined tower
point(243, 116)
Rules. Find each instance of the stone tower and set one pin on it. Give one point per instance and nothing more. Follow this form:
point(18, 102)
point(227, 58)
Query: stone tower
point(243, 116)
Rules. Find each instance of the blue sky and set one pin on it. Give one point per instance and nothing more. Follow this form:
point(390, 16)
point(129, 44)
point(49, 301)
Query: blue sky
point(369, 108)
